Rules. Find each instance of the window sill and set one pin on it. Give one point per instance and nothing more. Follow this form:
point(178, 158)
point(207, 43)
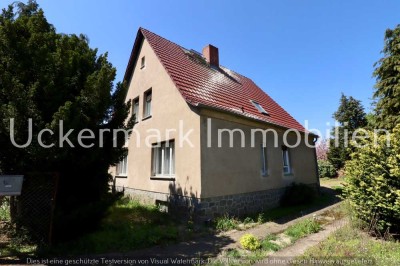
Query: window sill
point(147, 117)
point(264, 174)
point(288, 174)
point(165, 178)
point(121, 176)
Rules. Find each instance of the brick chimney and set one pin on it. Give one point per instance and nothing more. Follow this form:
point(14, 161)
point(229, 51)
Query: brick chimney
point(211, 54)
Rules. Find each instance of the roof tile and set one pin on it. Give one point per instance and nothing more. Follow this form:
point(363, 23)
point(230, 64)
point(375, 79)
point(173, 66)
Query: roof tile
point(223, 89)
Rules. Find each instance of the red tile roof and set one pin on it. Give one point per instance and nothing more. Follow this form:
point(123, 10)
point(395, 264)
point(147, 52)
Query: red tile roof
point(205, 86)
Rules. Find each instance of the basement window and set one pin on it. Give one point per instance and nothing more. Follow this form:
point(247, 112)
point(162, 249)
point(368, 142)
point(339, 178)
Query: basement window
point(259, 107)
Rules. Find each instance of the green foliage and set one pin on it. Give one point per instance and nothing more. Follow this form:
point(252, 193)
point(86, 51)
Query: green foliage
point(233, 253)
point(387, 87)
point(303, 228)
point(4, 210)
point(297, 194)
point(226, 223)
point(261, 218)
point(326, 169)
point(250, 242)
point(267, 244)
point(373, 182)
point(351, 242)
point(48, 77)
point(129, 225)
point(248, 220)
point(351, 116)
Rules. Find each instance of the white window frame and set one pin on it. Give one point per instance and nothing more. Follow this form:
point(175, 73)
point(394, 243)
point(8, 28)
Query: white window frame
point(158, 168)
point(264, 160)
point(287, 169)
point(143, 62)
point(135, 109)
point(122, 167)
point(259, 107)
point(147, 103)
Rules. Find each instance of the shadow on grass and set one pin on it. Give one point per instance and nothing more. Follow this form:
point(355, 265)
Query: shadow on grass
point(129, 225)
point(13, 247)
point(282, 215)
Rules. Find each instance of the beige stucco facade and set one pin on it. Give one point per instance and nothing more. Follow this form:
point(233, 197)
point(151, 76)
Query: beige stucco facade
point(233, 170)
point(201, 171)
point(169, 112)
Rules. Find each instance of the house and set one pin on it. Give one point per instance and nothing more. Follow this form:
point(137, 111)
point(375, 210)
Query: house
point(207, 138)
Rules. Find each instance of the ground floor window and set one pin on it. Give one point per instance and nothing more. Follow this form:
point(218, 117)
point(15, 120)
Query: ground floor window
point(163, 155)
point(264, 162)
point(286, 160)
point(122, 167)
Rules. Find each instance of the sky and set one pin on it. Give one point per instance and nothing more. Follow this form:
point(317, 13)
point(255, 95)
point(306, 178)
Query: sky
point(304, 54)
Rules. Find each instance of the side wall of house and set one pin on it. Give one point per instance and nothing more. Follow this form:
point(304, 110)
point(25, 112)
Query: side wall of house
point(169, 114)
point(232, 178)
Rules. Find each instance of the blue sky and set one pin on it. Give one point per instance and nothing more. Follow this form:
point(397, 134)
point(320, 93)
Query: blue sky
point(302, 53)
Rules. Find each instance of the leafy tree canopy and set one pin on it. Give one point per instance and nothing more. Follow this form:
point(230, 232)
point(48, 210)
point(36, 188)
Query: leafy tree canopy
point(47, 77)
point(387, 87)
point(350, 116)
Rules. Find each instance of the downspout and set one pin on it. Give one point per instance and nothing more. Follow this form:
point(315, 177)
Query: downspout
point(316, 166)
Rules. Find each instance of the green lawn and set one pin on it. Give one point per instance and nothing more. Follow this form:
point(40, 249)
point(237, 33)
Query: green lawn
point(351, 242)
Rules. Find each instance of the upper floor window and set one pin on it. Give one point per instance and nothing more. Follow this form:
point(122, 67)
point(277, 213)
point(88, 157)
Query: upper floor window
point(122, 167)
point(147, 104)
point(143, 62)
point(135, 108)
point(264, 162)
point(286, 160)
point(259, 107)
point(163, 159)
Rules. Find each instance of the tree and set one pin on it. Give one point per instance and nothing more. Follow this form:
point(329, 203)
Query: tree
point(373, 182)
point(56, 79)
point(350, 116)
point(322, 150)
point(387, 87)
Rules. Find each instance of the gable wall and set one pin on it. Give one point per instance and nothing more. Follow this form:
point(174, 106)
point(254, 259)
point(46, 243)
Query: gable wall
point(168, 109)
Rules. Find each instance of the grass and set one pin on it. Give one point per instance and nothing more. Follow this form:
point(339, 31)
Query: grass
point(350, 242)
point(227, 223)
point(268, 245)
point(332, 182)
point(129, 225)
point(302, 228)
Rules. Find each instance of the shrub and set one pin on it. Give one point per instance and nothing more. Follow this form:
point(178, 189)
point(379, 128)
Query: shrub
point(326, 169)
point(250, 242)
point(226, 223)
point(298, 194)
point(373, 182)
point(248, 220)
point(4, 209)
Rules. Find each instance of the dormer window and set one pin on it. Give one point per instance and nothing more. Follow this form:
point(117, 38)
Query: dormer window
point(143, 62)
point(259, 107)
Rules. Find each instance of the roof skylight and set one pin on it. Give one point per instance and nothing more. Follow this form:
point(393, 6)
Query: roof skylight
point(259, 107)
